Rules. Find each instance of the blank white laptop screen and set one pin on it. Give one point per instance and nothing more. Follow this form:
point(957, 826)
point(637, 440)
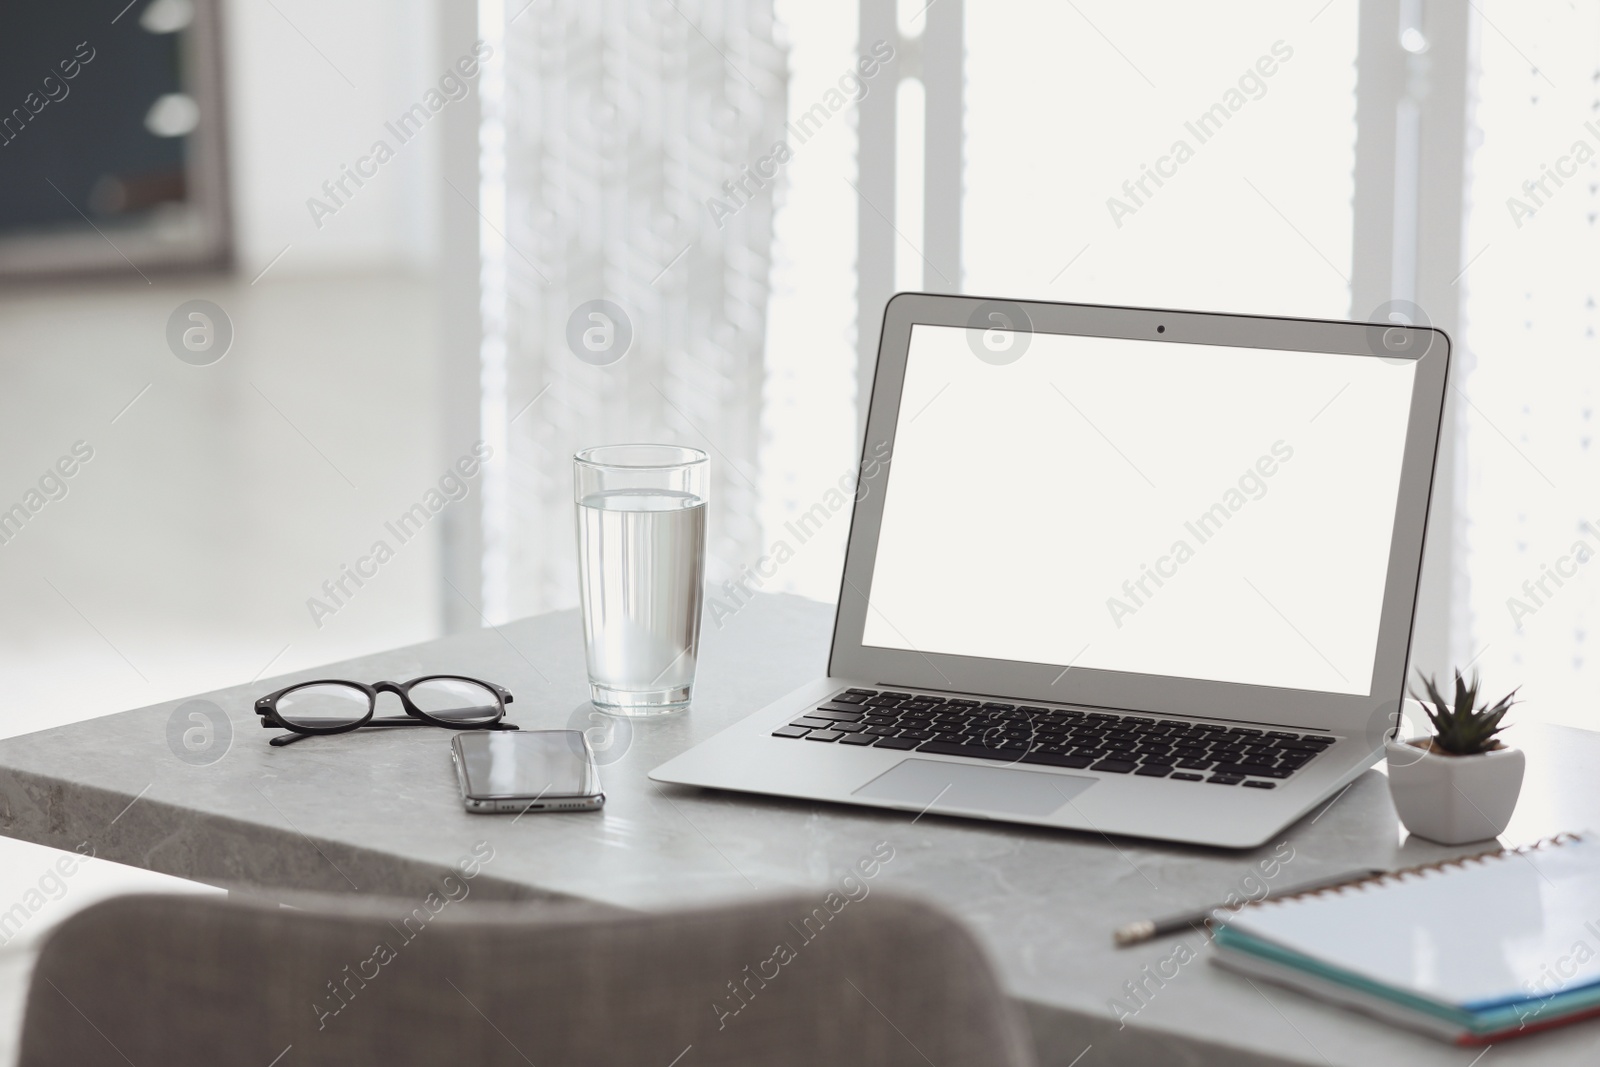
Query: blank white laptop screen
point(1194, 511)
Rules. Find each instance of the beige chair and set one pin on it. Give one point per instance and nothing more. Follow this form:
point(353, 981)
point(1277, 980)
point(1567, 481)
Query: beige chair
point(797, 980)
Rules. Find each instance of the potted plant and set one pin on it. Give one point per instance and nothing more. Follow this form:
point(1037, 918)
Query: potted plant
point(1461, 784)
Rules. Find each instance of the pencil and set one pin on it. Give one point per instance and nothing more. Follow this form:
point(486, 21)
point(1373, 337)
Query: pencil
point(1135, 932)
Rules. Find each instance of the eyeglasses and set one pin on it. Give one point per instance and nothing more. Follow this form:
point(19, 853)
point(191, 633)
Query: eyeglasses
point(328, 706)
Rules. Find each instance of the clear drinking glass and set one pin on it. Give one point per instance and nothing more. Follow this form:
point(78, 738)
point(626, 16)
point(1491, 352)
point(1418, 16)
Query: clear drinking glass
point(641, 567)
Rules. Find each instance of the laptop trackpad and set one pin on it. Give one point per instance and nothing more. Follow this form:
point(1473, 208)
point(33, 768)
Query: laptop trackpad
point(931, 785)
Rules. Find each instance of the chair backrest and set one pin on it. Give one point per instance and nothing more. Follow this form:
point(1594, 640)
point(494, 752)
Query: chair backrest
point(795, 980)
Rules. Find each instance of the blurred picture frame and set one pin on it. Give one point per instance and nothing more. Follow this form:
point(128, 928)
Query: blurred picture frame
point(113, 150)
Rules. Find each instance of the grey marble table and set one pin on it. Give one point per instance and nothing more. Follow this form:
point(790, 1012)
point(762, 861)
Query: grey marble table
point(378, 812)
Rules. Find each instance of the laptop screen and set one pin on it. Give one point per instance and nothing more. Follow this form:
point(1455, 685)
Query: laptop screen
point(1183, 510)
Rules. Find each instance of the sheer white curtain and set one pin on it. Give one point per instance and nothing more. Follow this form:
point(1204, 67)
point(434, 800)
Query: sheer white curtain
point(634, 139)
point(1531, 356)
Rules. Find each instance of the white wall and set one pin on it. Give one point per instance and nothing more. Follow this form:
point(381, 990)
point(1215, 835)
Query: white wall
point(310, 86)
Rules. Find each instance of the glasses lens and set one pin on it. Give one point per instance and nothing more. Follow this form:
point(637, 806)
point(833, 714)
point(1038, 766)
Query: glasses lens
point(323, 706)
point(457, 700)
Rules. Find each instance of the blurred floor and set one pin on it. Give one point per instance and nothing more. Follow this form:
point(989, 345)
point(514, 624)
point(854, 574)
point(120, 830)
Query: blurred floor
point(183, 554)
point(217, 502)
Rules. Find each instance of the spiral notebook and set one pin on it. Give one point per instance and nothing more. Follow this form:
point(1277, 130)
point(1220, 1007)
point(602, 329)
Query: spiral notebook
point(1471, 950)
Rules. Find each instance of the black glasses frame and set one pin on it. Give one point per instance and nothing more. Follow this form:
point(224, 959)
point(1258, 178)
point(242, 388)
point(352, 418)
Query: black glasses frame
point(267, 708)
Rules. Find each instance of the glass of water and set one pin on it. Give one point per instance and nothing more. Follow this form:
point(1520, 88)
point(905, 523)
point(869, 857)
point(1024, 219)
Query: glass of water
point(641, 567)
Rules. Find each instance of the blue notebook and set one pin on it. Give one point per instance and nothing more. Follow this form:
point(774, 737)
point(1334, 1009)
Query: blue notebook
point(1471, 950)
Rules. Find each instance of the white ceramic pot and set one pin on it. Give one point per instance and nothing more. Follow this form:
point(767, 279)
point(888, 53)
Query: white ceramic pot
point(1454, 799)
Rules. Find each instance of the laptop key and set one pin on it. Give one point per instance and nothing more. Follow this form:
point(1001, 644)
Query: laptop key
point(917, 735)
point(1284, 736)
point(849, 698)
point(1058, 759)
point(1260, 785)
point(863, 692)
point(878, 720)
point(882, 731)
point(835, 715)
point(1114, 766)
point(791, 731)
point(894, 742)
point(823, 735)
point(943, 748)
point(1183, 776)
point(856, 739)
point(1318, 740)
point(813, 724)
point(1255, 769)
point(1195, 764)
point(848, 727)
point(1225, 779)
point(1153, 770)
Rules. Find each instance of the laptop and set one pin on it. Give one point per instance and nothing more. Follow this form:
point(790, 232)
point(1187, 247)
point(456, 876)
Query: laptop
point(1115, 570)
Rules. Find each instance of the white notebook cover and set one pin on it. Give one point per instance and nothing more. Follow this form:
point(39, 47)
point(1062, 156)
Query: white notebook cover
point(1499, 928)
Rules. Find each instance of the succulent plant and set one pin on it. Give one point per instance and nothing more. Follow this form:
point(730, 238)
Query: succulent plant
point(1464, 729)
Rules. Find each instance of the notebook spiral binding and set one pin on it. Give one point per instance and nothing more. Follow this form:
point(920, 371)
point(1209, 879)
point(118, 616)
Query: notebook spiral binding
point(1422, 869)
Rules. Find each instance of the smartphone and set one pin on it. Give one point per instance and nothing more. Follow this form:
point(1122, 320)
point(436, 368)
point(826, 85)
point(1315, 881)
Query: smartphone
point(526, 770)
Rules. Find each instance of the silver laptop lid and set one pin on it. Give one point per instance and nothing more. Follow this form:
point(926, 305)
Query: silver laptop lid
point(1171, 512)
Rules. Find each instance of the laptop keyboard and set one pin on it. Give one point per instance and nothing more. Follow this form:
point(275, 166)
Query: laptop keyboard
point(1141, 745)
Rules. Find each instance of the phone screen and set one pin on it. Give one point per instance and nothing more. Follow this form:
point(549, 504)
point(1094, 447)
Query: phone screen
point(527, 763)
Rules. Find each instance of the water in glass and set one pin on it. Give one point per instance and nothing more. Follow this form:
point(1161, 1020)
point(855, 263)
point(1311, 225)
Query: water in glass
point(641, 561)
